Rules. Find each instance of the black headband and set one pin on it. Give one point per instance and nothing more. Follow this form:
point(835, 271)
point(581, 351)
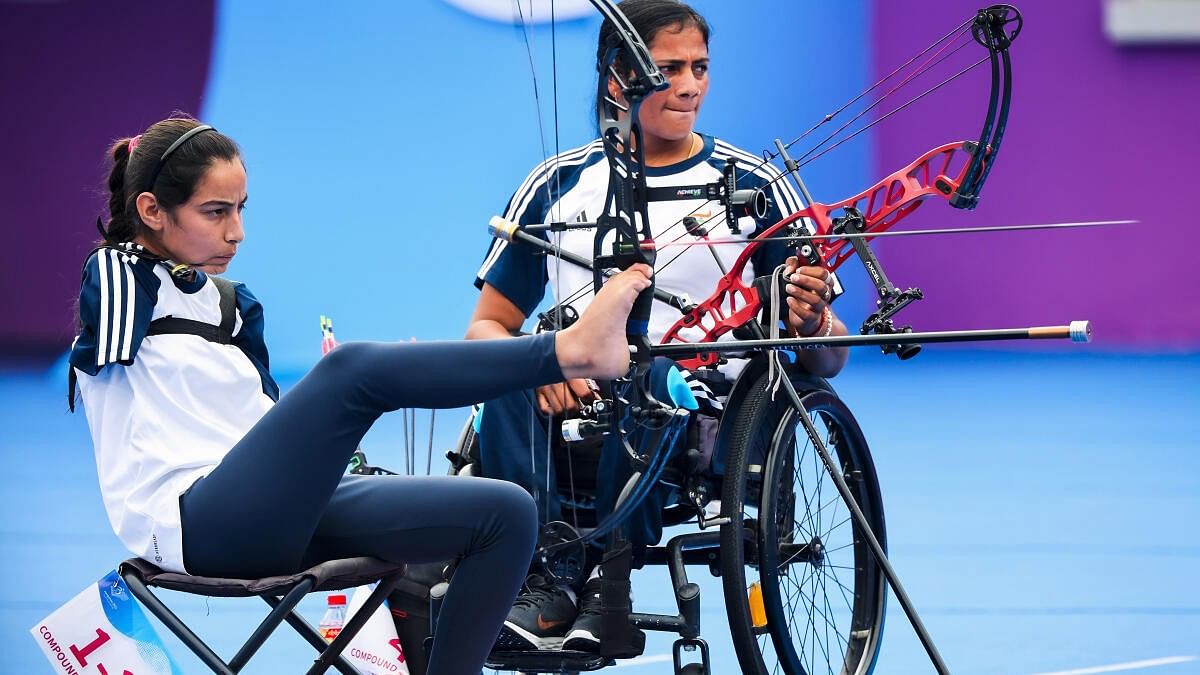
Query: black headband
point(162, 161)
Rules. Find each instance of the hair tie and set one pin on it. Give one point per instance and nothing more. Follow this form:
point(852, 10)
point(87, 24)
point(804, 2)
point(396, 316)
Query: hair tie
point(133, 142)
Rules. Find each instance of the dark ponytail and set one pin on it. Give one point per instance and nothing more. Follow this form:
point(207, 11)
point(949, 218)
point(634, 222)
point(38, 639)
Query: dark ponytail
point(120, 225)
point(176, 177)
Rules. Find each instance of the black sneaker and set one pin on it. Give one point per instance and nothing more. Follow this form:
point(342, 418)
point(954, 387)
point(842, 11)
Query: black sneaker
point(538, 619)
point(585, 633)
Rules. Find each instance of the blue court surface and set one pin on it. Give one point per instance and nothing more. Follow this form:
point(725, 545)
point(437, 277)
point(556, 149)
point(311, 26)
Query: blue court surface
point(1042, 512)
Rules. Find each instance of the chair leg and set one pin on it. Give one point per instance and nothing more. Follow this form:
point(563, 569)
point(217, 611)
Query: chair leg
point(301, 626)
point(310, 635)
point(331, 656)
point(172, 622)
point(269, 624)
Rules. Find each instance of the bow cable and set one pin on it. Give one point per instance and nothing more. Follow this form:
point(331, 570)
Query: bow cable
point(950, 43)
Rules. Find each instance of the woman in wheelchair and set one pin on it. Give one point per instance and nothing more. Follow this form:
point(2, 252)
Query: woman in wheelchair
point(512, 281)
point(205, 469)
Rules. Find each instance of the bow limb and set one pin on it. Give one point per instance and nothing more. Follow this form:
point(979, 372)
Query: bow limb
point(954, 172)
point(624, 218)
point(627, 62)
point(883, 205)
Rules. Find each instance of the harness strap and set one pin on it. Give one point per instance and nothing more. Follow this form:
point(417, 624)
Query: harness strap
point(222, 334)
point(170, 325)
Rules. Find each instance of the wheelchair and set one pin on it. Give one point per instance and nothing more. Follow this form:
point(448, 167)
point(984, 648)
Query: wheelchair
point(803, 592)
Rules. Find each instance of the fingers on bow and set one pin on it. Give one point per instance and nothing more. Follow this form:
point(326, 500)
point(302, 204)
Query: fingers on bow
point(809, 290)
point(565, 397)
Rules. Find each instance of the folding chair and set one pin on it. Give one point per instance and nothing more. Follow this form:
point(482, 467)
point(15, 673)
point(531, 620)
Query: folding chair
point(281, 593)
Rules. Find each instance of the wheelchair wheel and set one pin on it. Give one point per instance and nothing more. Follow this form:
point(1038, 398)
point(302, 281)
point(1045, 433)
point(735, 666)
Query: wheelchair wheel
point(803, 592)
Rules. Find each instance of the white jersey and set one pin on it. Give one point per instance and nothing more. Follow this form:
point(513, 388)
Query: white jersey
point(572, 187)
point(164, 409)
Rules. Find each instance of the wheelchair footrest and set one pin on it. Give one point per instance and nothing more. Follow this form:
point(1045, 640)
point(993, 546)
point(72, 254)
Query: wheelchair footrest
point(547, 661)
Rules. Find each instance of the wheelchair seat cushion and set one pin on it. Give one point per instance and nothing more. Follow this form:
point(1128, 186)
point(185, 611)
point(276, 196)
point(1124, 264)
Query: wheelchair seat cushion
point(327, 576)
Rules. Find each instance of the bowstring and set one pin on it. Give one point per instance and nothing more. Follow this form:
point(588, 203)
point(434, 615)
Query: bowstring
point(558, 316)
point(954, 40)
point(808, 159)
point(937, 58)
point(829, 117)
point(958, 33)
point(553, 190)
point(537, 99)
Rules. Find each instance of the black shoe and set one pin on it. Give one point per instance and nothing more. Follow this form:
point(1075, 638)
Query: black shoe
point(538, 619)
point(585, 633)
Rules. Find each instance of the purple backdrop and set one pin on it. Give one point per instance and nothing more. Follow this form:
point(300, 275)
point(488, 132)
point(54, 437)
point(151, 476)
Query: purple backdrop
point(75, 74)
point(1096, 132)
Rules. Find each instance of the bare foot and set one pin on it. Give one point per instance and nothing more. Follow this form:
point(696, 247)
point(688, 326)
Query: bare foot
point(595, 346)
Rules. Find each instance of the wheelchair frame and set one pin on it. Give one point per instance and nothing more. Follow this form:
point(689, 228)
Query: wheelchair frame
point(759, 477)
point(768, 542)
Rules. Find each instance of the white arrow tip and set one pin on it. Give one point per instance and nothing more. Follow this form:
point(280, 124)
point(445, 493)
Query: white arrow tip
point(1081, 331)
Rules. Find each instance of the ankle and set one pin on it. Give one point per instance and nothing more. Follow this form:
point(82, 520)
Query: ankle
point(574, 359)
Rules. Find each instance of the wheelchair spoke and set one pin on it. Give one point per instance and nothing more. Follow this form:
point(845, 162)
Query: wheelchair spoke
point(827, 614)
point(843, 641)
point(797, 593)
point(844, 521)
point(822, 592)
point(765, 648)
point(816, 468)
point(830, 543)
point(839, 549)
point(822, 571)
point(830, 506)
point(846, 593)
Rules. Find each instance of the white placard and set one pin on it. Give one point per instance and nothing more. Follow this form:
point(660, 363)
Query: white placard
point(103, 631)
point(375, 650)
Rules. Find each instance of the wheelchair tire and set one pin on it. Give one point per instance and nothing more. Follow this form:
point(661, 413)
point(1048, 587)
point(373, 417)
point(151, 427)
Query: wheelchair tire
point(823, 593)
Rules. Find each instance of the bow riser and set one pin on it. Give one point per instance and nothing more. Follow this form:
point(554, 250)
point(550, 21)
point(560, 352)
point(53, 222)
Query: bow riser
point(884, 204)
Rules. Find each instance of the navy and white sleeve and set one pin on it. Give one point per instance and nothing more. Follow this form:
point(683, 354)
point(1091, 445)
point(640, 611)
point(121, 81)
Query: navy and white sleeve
point(517, 271)
point(116, 303)
point(251, 340)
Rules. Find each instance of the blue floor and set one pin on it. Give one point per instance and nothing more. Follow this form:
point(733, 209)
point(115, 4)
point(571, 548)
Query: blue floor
point(1042, 511)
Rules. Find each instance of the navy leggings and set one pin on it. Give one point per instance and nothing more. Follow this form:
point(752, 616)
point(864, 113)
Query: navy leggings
point(279, 502)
